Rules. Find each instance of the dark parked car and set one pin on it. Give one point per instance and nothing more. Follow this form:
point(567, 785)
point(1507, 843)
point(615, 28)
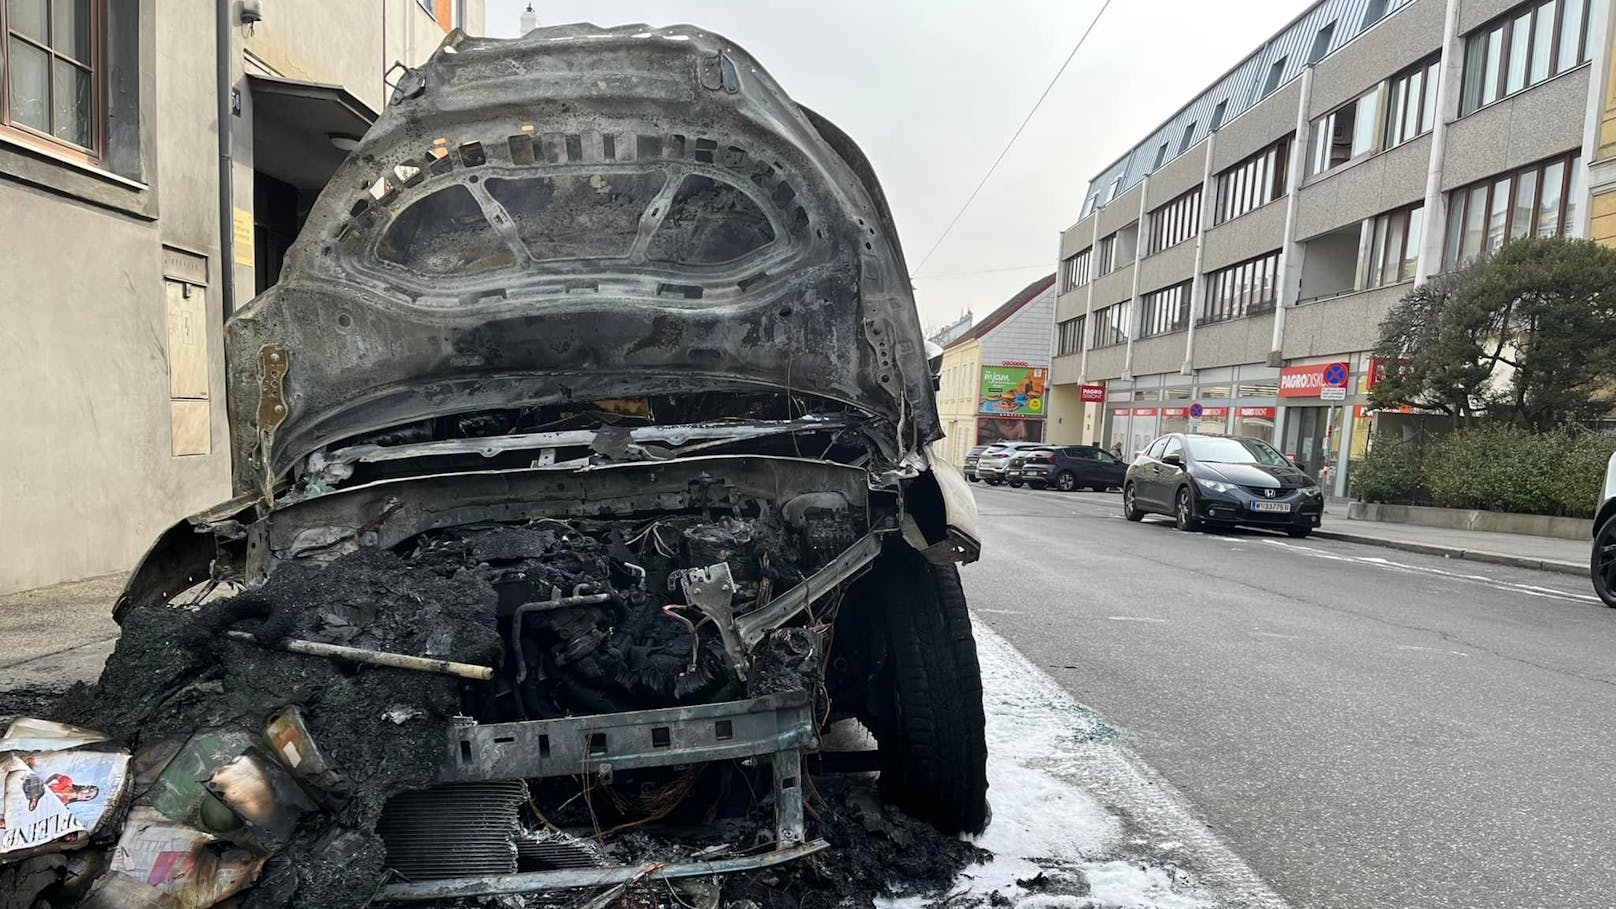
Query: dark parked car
point(1067, 467)
point(1602, 566)
point(971, 457)
point(1221, 480)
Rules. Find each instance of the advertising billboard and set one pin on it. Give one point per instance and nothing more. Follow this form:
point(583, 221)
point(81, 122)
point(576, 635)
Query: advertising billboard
point(1013, 391)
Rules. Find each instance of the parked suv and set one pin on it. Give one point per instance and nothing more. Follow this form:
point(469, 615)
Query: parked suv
point(992, 464)
point(1602, 565)
point(1068, 467)
point(1221, 480)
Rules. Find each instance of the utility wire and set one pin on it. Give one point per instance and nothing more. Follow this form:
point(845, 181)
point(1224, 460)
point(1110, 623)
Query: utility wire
point(1075, 48)
point(987, 271)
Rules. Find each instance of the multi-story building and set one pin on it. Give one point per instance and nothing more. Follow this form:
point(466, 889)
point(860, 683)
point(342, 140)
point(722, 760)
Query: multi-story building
point(1230, 272)
point(156, 160)
point(995, 375)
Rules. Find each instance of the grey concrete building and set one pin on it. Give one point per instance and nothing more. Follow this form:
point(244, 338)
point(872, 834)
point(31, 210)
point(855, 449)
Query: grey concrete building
point(132, 232)
point(1228, 274)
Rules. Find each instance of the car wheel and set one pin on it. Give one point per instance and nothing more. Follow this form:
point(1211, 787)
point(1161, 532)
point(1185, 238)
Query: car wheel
point(1130, 504)
point(1602, 568)
point(1184, 510)
point(1065, 482)
point(1015, 484)
point(1298, 533)
point(925, 701)
point(970, 479)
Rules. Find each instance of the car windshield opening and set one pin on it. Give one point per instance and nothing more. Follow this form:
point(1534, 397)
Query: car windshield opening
point(1236, 451)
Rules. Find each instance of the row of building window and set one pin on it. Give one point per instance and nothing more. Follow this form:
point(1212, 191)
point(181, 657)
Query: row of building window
point(1394, 246)
point(1243, 289)
point(1526, 46)
point(1540, 200)
point(1164, 311)
point(1075, 270)
point(1175, 222)
point(1111, 325)
point(1253, 182)
point(1069, 336)
point(1523, 48)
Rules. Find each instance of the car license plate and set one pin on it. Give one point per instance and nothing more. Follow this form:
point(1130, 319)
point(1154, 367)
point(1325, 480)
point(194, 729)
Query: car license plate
point(1281, 507)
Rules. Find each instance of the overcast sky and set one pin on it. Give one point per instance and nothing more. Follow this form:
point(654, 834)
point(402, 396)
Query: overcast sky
point(932, 89)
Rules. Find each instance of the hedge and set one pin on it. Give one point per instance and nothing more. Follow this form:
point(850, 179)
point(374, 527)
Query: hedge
point(1492, 469)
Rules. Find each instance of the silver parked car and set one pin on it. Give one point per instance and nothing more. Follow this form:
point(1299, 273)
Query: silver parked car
point(1602, 563)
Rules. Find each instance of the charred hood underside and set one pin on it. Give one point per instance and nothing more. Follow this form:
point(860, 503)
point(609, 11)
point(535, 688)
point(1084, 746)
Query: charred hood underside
point(581, 214)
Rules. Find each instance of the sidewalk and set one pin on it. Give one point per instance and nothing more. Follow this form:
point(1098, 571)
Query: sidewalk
point(54, 636)
point(1517, 550)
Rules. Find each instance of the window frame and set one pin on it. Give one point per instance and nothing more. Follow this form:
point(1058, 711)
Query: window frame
point(1237, 291)
point(1460, 200)
point(47, 141)
point(1075, 269)
point(1326, 125)
point(1069, 335)
point(1178, 220)
point(1165, 311)
point(1111, 320)
point(1376, 267)
point(1399, 89)
point(1478, 53)
point(1241, 187)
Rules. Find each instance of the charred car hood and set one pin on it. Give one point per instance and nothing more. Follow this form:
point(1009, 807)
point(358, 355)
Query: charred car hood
point(580, 214)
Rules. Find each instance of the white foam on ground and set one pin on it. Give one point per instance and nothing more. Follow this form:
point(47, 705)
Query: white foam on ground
point(1041, 823)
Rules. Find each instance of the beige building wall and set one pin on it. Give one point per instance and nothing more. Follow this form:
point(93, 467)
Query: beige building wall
point(111, 317)
point(957, 399)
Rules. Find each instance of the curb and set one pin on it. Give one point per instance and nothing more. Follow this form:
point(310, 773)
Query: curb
point(1453, 552)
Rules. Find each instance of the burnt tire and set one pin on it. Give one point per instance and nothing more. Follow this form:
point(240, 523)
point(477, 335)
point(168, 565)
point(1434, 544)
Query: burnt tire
point(927, 696)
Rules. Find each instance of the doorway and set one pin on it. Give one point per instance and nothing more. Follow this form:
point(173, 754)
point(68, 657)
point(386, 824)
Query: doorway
point(1312, 437)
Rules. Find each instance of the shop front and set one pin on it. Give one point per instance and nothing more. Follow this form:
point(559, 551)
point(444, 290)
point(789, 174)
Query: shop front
point(1323, 411)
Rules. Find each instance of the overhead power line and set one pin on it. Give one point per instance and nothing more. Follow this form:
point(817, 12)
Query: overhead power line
point(987, 271)
point(996, 161)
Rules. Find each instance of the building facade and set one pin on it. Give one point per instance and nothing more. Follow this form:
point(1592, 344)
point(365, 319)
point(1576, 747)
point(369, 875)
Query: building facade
point(995, 376)
point(1229, 274)
point(132, 232)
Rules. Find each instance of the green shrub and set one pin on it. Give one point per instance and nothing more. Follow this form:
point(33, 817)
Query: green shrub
point(1497, 468)
point(1389, 472)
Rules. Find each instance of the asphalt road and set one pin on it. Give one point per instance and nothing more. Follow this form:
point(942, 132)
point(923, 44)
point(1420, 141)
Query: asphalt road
point(1366, 728)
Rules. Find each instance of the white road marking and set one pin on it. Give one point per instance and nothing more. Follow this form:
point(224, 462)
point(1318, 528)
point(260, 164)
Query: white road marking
point(1135, 618)
point(1386, 564)
point(1000, 611)
point(1275, 634)
point(1431, 649)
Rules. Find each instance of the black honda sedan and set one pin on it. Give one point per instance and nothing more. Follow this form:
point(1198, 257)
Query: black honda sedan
point(1221, 480)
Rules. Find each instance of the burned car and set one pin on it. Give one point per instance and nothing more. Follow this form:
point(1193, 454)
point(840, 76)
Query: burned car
point(603, 320)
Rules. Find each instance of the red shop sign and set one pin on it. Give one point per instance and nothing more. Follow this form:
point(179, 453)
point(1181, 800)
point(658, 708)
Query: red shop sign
point(1257, 413)
point(1092, 393)
point(1308, 381)
point(1144, 411)
point(1214, 412)
point(1180, 412)
point(1123, 412)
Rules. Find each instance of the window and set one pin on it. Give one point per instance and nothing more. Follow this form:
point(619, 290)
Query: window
point(52, 65)
point(1394, 246)
point(1175, 222)
point(1069, 336)
point(1105, 255)
point(1245, 289)
point(1411, 103)
point(1189, 136)
point(1166, 310)
point(1217, 114)
point(1321, 43)
point(1345, 133)
point(1173, 449)
point(1075, 271)
point(1275, 73)
point(1161, 157)
point(1116, 185)
point(1254, 182)
point(1111, 325)
point(1524, 47)
point(1090, 204)
point(1540, 200)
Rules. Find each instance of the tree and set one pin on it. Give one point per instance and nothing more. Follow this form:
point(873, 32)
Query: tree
point(1527, 336)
